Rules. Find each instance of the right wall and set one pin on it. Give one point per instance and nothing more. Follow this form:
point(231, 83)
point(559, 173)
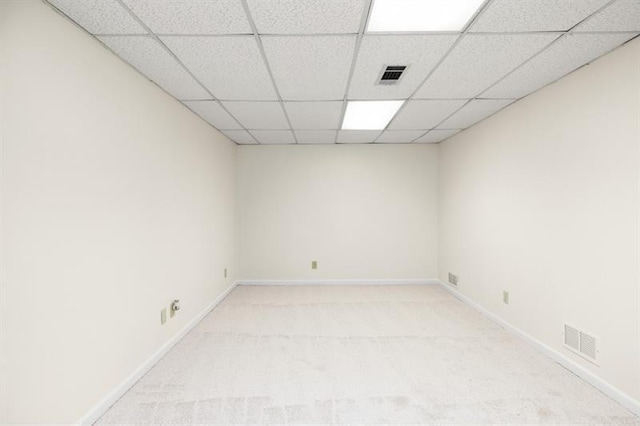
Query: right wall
point(542, 200)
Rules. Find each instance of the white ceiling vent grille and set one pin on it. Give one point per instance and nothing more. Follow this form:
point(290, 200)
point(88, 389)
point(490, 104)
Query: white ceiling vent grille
point(580, 342)
point(391, 74)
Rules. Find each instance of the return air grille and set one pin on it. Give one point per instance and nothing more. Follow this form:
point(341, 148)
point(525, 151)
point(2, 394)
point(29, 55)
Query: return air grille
point(391, 74)
point(580, 342)
point(453, 279)
point(588, 345)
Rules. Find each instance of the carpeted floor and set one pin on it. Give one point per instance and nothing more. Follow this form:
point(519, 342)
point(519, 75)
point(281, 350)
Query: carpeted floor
point(357, 354)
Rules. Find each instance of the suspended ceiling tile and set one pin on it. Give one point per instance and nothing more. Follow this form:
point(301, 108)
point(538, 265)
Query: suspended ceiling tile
point(274, 137)
point(357, 136)
point(153, 60)
point(307, 16)
point(435, 136)
point(100, 16)
point(473, 112)
point(241, 137)
point(478, 61)
point(316, 136)
point(562, 57)
point(622, 15)
point(424, 114)
point(231, 67)
point(314, 115)
point(399, 136)
point(534, 15)
point(258, 115)
point(419, 52)
point(213, 113)
point(310, 68)
point(192, 16)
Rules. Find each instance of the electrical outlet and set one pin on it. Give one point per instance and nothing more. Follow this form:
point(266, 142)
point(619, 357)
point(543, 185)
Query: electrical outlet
point(163, 316)
point(225, 272)
point(314, 264)
point(505, 297)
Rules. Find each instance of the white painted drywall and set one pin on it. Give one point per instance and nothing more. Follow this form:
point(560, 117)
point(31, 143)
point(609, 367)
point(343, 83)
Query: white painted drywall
point(361, 211)
point(115, 200)
point(542, 200)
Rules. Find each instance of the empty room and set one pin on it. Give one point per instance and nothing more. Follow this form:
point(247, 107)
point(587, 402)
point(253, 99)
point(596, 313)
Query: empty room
point(297, 212)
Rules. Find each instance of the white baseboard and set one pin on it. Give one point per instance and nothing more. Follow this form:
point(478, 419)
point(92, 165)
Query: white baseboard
point(611, 391)
point(101, 407)
point(341, 282)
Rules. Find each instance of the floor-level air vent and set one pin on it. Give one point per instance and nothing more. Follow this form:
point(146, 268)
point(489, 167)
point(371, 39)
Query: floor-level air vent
point(453, 279)
point(580, 342)
point(391, 74)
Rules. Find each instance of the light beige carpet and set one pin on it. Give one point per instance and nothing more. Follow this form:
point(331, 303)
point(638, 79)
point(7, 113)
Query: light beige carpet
point(357, 354)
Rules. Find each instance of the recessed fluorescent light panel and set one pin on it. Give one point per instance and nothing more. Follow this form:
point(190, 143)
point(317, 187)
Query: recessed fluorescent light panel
point(421, 15)
point(369, 115)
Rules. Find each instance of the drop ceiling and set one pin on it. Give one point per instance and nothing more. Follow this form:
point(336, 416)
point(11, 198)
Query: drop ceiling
point(282, 71)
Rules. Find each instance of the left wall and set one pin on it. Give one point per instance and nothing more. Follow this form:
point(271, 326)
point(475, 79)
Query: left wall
point(116, 200)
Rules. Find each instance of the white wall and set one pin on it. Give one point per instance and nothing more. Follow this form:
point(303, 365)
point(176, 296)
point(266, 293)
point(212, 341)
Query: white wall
point(542, 200)
point(116, 199)
point(361, 211)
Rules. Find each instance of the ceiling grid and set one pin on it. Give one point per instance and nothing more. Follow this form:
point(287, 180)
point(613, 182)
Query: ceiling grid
point(157, 39)
point(478, 96)
point(266, 63)
point(267, 71)
point(458, 40)
point(356, 51)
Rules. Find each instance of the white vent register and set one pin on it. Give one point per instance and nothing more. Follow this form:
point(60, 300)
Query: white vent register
point(581, 343)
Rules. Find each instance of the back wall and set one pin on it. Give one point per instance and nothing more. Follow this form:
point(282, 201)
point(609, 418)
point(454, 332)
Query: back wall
point(362, 212)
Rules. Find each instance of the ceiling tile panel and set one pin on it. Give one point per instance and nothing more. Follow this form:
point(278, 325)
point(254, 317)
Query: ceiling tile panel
point(192, 16)
point(357, 136)
point(153, 60)
point(565, 55)
point(258, 115)
point(212, 112)
point(316, 136)
point(231, 67)
point(435, 136)
point(420, 52)
point(240, 136)
point(534, 15)
point(310, 68)
point(479, 61)
point(314, 115)
point(100, 16)
point(473, 112)
point(274, 137)
point(623, 15)
point(424, 114)
point(399, 136)
point(306, 16)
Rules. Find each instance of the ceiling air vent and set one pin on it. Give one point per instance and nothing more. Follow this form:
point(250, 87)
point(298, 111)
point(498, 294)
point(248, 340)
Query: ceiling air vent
point(580, 342)
point(391, 74)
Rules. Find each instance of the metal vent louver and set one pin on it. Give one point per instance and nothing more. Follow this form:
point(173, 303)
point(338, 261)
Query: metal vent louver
point(453, 279)
point(580, 342)
point(391, 74)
